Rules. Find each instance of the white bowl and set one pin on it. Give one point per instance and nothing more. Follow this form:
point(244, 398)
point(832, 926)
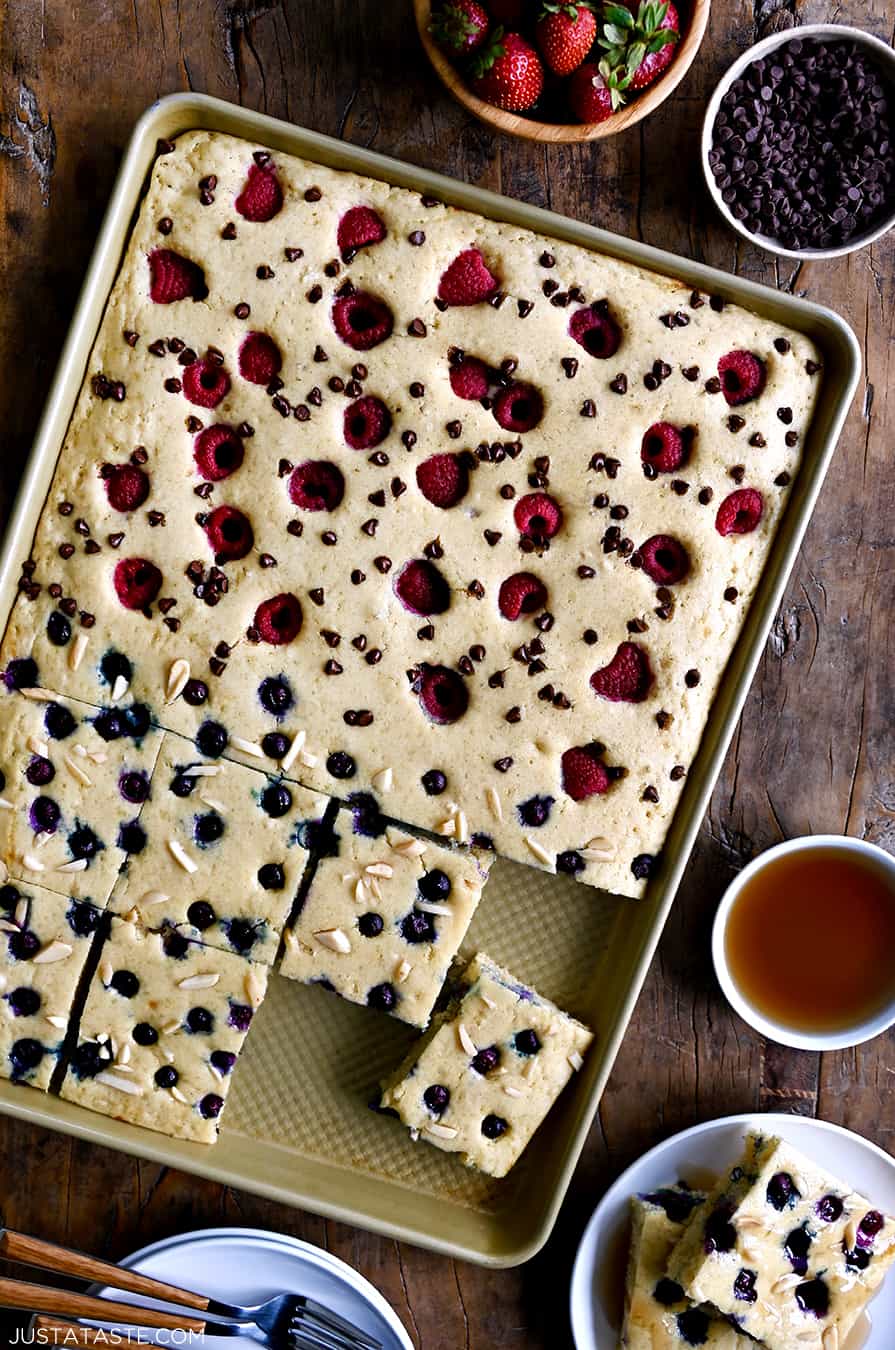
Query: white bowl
point(776, 1031)
point(825, 32)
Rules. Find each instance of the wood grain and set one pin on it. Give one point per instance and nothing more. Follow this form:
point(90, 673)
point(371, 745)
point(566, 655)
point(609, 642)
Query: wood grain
point(817, 741)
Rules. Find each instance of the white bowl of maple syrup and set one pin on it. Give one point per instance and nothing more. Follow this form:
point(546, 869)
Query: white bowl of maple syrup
point(804, 942)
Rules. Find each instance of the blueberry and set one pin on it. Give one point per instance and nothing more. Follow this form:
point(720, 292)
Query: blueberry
point(59, 721)
point(370, 925)
point(275, 744)
point(667, 1292)
point(829, 1208)
point(9, 899)
point(83, 918)
point(365, 814)
point(418, 927)
point(83, 843)
point(201, 915)
point(677, 1204)
point(719, 1233)
point(58, 628)
point(39, 771)
point(240, 1017)
point(208, 828)
point(134, 786)
point(199, 1021)
point(744, 1286)
point(435, 885)
point(21, 673)
point(813, 1297)
point(166, 1076)
point(434, 782)
point(571, 863)
point(271, 877)
point(195, 693)
point(275, 695)
point(796, 1249)
point(23, 1002)
point(479, 840)
point(212, 739)
point(131, 837)
point(44, 815)
point(693, 1326)
point(643, 865)
point(340, 765)
point(494, 1126)
point(870, 1225)
point(436, 1098)
point(858, 1259)
point(108, 724)
point(536, 811)
point(183, 784)
point(114, 665)
point(276, 799)
point(211, 1106)
point(242, 935)
point(136, 721)
point(782, 1192)
point(383, 997)
point(88, 1060)
point(223, 1061)
point(526, 1042)
point(23, 946)
point(145, 1034)
point(125, 983)
point(487, 1060)
point(175, 945)
point(24, 1056)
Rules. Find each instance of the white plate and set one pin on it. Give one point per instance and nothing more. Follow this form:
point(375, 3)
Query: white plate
point(695, 1156)
point(247, 1265)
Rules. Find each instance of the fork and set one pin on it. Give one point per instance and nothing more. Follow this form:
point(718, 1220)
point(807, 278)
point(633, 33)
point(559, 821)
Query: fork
point(289, 1321)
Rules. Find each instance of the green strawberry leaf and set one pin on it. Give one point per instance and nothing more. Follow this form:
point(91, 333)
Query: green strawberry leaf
point(618, 16)
point(615, 35)
point(663, 38)
point(486, 56)
point(635, 56)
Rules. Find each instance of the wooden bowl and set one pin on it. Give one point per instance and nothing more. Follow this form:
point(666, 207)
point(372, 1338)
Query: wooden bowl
point(563, 132)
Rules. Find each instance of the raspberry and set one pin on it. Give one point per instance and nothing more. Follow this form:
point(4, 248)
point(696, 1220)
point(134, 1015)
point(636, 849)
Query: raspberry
point(361, 320)
point(519, 408)
point(279, 619)
point(229, 533)
point(316, 485)
point(742, 376)
point(521, 594)
point(627, 678)
point(467, 280)
point(469, 378)
point(218, 452)
point(442, 694)
point(664, 559)
point(137, 582)
point(663, 446)
point(127, 487)
point(421, 588)
point(366, 423)
point(583, 773)
point(443, 480)
point(261, 197)
point(594, 329)
point(740, 512)
point(537, 515)
point(358, 228)
point(173, 277)
point(259, 358)
point(205, 382)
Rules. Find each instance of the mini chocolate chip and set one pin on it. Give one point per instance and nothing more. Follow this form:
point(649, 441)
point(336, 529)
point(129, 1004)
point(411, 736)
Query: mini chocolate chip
point(692, 678)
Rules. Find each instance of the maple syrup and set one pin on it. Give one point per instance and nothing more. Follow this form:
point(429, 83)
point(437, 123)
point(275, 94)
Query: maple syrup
point(810, 939)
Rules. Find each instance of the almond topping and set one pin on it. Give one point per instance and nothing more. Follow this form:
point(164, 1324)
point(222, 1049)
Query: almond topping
point(112, 1080)
point(204, 980)
point(153, 898)
point(201, 771)
point(575, 1060)
point(247, 747)
point(432, 907)
point(254, 987)
point(383, 780)
point(402, 970)
point(539, 851)
point(178, 675)
point(38, 695)
point(441, 1131)
point(492, 797)
point(76, 651)
point(51, 953)
point(295, 749)
point(76, 771)
point(512, 1091)
point(38, 747)
point(119, 689)
point(32, 864)
point(409, 848)
point(466, 1040)
point(60, 1023)
point(180, 855)
point(379, 869)
point(335, 939)
point(598, 850)
point(76, 865)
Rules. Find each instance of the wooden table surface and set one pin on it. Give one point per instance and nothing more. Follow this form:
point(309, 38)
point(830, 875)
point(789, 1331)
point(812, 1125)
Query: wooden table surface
point(817, 742)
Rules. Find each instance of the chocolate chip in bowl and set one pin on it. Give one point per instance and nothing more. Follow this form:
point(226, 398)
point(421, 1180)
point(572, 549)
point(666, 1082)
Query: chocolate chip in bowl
point(798, 142)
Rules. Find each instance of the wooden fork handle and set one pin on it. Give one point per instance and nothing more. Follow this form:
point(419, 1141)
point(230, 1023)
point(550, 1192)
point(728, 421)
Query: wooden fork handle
point(54, 1331)
point(66, 1303)
point(48, 1256)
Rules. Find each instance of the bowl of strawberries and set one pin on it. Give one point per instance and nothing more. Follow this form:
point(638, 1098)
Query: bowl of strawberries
point(561, 70)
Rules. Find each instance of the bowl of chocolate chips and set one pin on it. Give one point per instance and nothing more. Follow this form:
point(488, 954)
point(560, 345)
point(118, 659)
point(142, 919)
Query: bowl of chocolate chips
point(798, 143)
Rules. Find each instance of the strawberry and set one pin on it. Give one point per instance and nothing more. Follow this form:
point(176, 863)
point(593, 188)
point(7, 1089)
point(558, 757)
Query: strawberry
point(507, 72)
point(565, 32)
point(460, 26)
point(640, 46)
point(596, 91)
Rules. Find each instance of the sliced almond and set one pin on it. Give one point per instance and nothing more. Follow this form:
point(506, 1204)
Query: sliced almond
point(7, 927)
point(180, 855)
point(379, 869)
point(77, 772)
point(383, 780)
point(76, 865)
point(462, 830)
point(203, 980)
point(598, 850)
point(178, 1095)
point(466, 1040)
point(21, 914)
point(446, 827)
point(851, 1235)
point(6, 805)
point(495, 806)
point(151, 898)
point(76, 651)
point(360, 891)
point(106, 971)
point(119, 689)
point(488, 1002)
point(785, 1283)
point(38, 695)
point(402, 970)
point(125, 1056)
point(247, 747)
point(38, 747)
point(749, 1222)
point(114, 1080)
point(539, 851)
point(441, 1131)
point(409, 848)
point(51, 953)
point(295, 749)
point(254, 987)
point(212, 802)
point(512, 1091)
point(32, 864)
point(335, 939)
point(830, 1339)
point(432, 907)
point(308, 760)
point(60, 1023)
point(201, 771)
point(575, 1060)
